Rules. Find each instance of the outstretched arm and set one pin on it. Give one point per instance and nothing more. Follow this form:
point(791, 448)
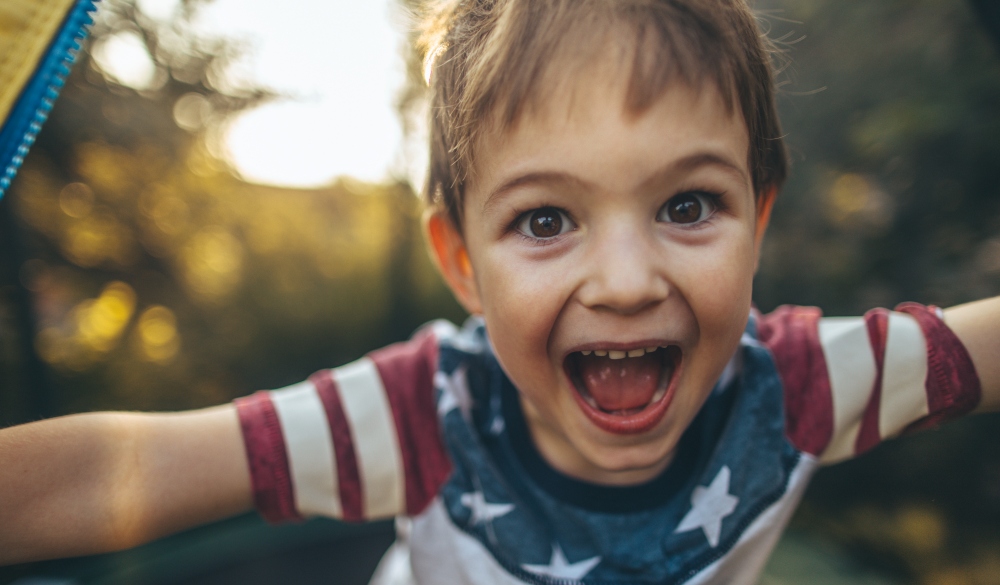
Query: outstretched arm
point(977, 325)
point(101, 482)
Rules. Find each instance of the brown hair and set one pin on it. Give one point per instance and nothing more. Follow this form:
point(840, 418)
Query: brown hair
point(484, 60)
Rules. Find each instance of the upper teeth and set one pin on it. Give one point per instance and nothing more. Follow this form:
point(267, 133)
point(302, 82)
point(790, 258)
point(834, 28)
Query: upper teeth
point(619, 354)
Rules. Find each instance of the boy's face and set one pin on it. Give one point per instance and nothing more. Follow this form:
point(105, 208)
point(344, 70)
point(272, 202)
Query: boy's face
point(590, 230)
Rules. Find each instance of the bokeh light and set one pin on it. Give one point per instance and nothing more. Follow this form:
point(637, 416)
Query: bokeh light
point(100, 322)
point(157, 333)
point(123, 56)
point(90, 330)
point(211, 263)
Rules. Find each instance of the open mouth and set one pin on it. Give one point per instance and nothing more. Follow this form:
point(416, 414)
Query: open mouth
point(624, 391)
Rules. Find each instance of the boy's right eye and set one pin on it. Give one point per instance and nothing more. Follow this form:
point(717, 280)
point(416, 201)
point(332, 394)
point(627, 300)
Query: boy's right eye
point(544, 223)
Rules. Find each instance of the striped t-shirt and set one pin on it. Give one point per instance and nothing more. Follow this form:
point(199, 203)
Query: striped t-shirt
point(430, 431)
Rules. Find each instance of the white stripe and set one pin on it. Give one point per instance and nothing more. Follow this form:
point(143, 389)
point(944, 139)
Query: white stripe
point(376, 445)
point(744, 562)
point(310, 450)
point(904, 376)
point(440, 552)
point(851, 368)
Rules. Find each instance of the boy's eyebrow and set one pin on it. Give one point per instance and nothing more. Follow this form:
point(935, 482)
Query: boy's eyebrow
point(695, 160)
point(535, 178)
point(687, 163)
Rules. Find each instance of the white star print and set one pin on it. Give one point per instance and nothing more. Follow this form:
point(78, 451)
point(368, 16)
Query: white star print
point(560, 568)
point(483, 511)
point(450, 336)
point(498, 426)
point(709, 506)
point(454, 392)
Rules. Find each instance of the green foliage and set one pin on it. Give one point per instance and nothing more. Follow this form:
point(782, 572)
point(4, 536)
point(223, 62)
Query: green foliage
point(891, 112)
point(895, 190)
point(161, 280)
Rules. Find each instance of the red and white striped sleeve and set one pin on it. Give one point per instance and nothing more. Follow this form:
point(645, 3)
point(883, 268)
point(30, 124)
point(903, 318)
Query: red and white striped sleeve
point(851, 382)
point(360, 442)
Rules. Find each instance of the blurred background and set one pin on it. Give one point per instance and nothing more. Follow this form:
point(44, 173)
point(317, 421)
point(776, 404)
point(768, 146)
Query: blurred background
point(221, 202)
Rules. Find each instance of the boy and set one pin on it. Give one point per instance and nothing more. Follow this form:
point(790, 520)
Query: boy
point(601, 179)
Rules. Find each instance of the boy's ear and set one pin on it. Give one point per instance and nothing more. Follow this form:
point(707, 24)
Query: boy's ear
point(764, 205)
point(452, 259)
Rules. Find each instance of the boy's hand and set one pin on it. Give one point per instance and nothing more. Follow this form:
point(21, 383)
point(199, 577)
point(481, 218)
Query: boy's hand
point(100, 482)
point(977, 325)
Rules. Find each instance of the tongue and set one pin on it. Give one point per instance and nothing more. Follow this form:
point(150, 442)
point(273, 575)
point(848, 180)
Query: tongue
point(621, 385)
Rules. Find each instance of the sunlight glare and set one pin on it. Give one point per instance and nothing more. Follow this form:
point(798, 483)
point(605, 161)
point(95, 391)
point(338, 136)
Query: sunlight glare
point(340, 67)
point(158, 9)
point(123, 56)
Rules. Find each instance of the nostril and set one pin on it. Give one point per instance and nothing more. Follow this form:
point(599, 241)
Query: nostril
point(627, 302)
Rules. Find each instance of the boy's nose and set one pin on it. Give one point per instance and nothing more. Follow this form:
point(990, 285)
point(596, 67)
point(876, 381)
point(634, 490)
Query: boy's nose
point(625, 276)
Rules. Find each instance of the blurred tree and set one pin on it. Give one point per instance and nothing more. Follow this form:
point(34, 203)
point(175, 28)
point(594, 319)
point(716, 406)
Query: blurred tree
point(891, 112)
point(894, 190)
point(181, 67)
point(160, 279)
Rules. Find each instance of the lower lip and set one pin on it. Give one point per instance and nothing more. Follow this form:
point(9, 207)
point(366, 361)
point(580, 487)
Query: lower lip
point(629, 424)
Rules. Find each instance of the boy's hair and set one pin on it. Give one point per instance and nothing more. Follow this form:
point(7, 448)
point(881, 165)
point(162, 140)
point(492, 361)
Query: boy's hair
point(485, 60)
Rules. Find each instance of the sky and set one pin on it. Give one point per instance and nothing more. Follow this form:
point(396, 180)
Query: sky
point(339, 60)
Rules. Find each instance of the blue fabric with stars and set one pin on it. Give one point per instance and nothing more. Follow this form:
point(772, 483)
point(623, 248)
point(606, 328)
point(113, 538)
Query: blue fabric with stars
point(544, 527)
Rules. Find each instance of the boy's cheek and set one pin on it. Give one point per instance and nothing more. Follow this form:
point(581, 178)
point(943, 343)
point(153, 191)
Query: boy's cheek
point(519, 327)
point(525, 295)
point(723, 270)
point(720, 296)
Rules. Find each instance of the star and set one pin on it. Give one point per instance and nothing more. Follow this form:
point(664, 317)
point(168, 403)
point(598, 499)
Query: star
point(483, 511)
point(454, 392)
point(709, 505)
point(560, 568)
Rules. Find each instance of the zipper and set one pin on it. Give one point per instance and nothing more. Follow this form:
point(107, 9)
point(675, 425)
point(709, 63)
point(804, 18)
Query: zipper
point(32, 108)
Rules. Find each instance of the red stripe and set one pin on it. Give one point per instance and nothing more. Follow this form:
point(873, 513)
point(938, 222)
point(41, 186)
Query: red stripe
point(877, 321)
point(268, 462)
point(348, 477)
point(953, 386)
point(407, 372)
point(792, 335)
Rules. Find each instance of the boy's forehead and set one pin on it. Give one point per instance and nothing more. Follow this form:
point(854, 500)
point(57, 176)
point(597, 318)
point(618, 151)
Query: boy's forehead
point(582, 84)
point(589, 144)
point(584, 113)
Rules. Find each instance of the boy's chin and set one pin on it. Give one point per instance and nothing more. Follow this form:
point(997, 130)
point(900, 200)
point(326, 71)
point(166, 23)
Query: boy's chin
point(626, 396)
point(623, 465)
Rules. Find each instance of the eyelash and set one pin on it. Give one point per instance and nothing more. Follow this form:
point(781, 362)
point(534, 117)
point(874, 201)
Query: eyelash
point(714, 198)
point(521, 214)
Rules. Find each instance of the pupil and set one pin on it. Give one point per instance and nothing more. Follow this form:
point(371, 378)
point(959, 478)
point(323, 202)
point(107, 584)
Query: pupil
point(546, 223)
point(685, 209)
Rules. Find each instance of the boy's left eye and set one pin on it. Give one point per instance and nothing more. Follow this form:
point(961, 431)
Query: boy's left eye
point(544, 223)
point(689, 207)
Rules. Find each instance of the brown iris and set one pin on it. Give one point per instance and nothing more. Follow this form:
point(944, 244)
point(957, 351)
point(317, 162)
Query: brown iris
point(684, 208)
point(545, 223)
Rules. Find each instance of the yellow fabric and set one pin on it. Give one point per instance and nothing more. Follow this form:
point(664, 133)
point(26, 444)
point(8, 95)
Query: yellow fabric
point(26, 29)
